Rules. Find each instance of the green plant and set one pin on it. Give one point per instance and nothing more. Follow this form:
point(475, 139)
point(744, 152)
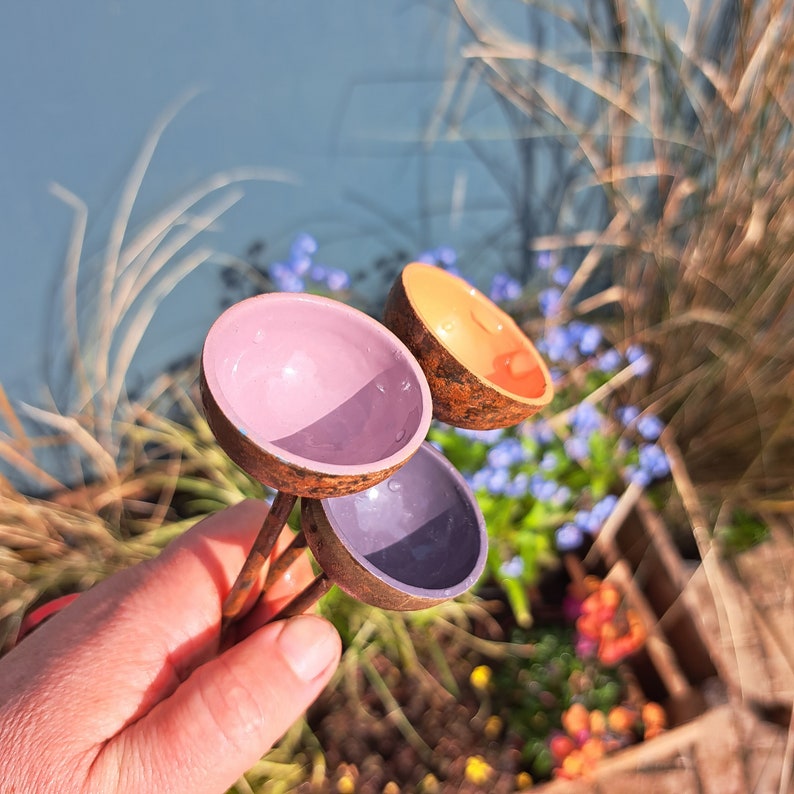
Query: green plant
point(742, 532)
point(548, 485)
point(532, 695)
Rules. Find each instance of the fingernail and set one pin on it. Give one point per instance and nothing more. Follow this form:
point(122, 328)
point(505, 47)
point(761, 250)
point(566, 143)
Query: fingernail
point(309, 645)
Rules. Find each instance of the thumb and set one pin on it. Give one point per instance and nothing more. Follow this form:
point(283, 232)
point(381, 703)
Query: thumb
point(228, 713)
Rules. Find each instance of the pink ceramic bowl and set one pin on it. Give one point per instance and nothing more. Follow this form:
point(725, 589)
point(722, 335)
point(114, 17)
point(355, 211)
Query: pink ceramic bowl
point(311, 396)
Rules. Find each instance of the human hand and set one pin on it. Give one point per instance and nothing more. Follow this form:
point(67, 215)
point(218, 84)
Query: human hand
point(128, 688)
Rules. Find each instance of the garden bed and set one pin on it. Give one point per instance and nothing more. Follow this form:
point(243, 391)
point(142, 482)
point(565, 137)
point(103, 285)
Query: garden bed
point(726, 750)
point(390, 727)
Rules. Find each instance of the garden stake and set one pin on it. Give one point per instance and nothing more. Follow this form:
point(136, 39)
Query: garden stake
point(265, 541)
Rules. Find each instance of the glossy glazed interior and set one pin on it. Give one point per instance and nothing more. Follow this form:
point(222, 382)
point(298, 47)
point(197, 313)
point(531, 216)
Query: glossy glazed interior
point(420, 531)
point(317, 383)
point(476, 332)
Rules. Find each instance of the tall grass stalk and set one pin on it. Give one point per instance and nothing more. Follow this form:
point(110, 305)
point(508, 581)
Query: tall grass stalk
point(108, 304)
point(685, 136)
point(118, 477)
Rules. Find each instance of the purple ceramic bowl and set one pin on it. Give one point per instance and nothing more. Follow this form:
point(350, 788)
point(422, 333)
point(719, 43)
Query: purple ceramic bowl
point(411, 541)
point(311, 396)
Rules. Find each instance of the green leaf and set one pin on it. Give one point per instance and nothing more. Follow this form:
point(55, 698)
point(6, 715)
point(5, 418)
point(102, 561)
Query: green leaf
point(519, 602)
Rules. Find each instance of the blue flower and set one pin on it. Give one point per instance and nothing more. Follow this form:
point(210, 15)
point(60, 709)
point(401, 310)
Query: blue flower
point(650, 427)
point(443, 256)
point(285, 279)
point(300, 265)
point(496, 481)
point(654, 461)
point(549, 301)
point(558, 345)
point(562, 276)
point(542, 489)
point(587, 522)
point(504, 288)
point(545, 260)
point(446, 256)
point(304, 245)
point(518, 486)
point(638, 476)
point(548, 462)
point(585, 419)
point(492, 480)
point(561, 496)
point(640, 361)
point(318, 273)
point(591, 339)
point(627, 414)
point(592, 520)
point(602, 509)
point(337, 279)
point(577, 448)
point(512, 569)
point(568, 537)
point(506, 453)
point(610, 360)
point(539, 431)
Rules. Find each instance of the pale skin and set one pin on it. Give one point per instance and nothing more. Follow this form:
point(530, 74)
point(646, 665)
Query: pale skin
point(130, 689)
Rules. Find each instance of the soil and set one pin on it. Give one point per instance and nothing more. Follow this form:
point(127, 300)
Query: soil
point(373, 744)
point(392, 726)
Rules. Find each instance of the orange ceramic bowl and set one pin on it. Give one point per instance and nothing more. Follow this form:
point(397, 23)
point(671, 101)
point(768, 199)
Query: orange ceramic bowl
point(482, 369)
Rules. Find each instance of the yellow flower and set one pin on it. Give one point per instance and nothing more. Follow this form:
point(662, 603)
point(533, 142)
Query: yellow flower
point(523, 780)
point(478, 770)
point(493, 727)
point(429, 784)
point(480, 677)
point(346, 784)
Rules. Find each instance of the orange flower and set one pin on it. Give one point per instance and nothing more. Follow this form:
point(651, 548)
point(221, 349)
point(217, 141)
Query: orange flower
point(615, 650)
point(654, 719)
point(636, 628)
point(621, 719)
point(592, 749)
point(610, 596)
point(589, 625)
point(653, 714)
point(598, 722)
point(575, 719)
point(573, 766)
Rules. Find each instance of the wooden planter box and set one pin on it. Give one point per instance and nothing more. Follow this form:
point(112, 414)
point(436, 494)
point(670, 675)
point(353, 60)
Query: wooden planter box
point(675, 667)
point(719, 691)
point(726, 750)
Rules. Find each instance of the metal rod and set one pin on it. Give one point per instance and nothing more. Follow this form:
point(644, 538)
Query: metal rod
point(310, 594)
point(278, 567)
point(265, 541)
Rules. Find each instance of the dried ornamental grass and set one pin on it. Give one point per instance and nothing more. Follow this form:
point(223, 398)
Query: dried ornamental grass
point(684, 139)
